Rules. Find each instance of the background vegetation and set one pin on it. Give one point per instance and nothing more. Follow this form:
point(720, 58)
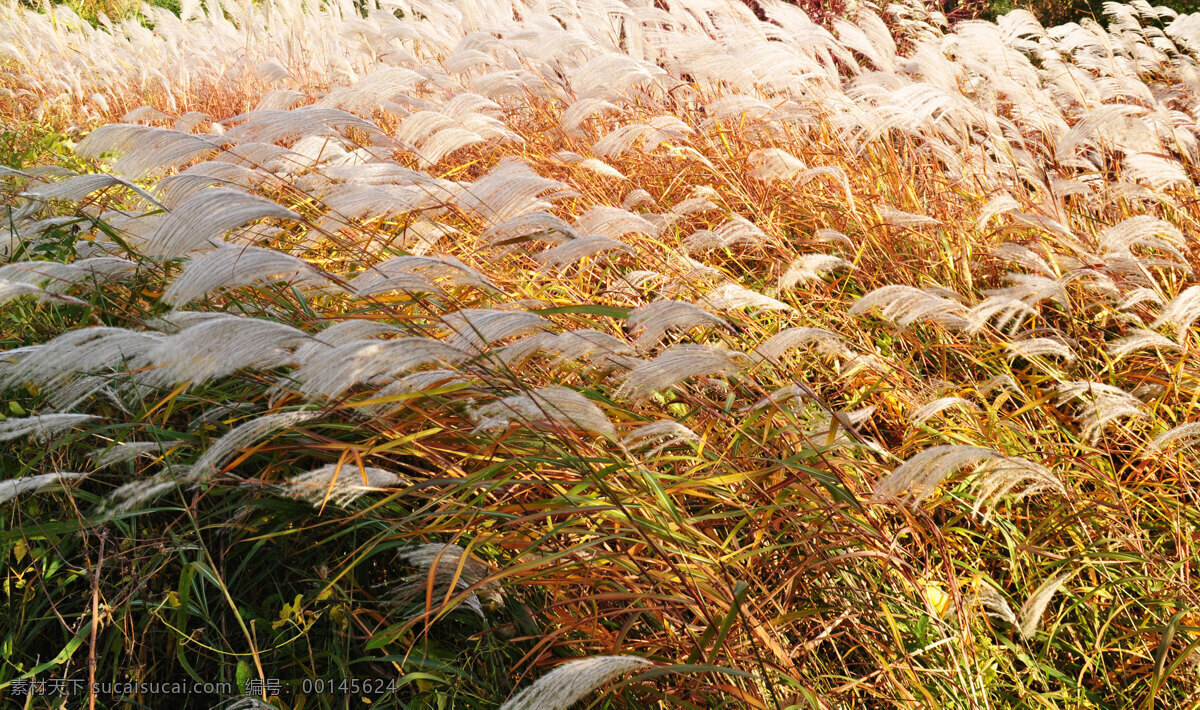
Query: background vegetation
point(1048, 12)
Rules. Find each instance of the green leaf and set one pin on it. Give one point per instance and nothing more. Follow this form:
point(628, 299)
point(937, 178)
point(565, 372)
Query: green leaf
point(242, 675)
point(62, 657)
point(590, 309)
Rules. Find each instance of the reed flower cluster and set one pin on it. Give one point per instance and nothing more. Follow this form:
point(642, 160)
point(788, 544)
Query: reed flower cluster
point(764, 360)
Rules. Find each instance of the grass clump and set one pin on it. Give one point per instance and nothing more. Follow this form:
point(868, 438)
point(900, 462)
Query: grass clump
point(458, 356)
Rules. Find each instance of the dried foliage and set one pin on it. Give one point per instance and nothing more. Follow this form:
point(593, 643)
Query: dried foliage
point(449, 340)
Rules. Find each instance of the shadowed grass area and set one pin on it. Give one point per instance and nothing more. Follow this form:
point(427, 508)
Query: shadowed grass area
point(97, 12)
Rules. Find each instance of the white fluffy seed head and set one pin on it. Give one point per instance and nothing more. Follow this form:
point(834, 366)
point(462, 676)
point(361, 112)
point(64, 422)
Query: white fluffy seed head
point(12, 488)
point(447, 568)
point(774, 164)
point(789, 339)
point(234, 266)
point(652, 321)
point(677, 364)
point(135, 494)
point(127, 451)
point(340, 484)
point(930, 410)
point(999, 477)
point(575, 250)
point(80, 351)
point(612, 222)
point(418, 273)
point(472, 329)
point(1041, 347)
point(900, 218)
point(1143, 231)
point(220, 346)
point(536, 225)
point(1030, 615)
point(1098, 405)
point(995, 605)
point(571, 682)
point(659, 435)
point(201, 220)
point(448, 558)
point(731, 296)
point(1184, 435)
point(555, 406)
point(919, 476)
point(905, 305)
point(1140, 339)
point(222, 450)
point(42, 428)
point(1181, 312)
point(332, 373)
point(811, 267)
point(145, 149)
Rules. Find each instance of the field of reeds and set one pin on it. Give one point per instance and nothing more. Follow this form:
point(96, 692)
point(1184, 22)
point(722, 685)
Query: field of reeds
point(525, 353)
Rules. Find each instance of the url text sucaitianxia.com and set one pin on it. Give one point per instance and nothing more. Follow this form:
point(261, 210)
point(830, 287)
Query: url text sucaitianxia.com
point(79, 686)
point(253, 686)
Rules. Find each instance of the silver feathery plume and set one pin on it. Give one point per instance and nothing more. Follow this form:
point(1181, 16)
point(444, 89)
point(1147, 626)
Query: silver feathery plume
point(1030, 615)
point(12, 488)
point(445, 568)
point(651, 322)
point(558, 406)
point(677, 364)
point(571, 682)
point(41, 428)
point(340, 484)
point(659, 435)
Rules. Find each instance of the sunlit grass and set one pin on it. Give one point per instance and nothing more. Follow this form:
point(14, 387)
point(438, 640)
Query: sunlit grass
point(765, 544)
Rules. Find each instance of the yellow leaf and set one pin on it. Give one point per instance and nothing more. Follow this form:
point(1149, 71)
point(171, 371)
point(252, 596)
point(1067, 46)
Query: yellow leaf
point(937, 599)
point(288, 612)
point(338, 614)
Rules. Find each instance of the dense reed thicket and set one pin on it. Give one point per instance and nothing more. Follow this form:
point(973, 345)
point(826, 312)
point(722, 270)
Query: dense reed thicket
point(511, 351)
